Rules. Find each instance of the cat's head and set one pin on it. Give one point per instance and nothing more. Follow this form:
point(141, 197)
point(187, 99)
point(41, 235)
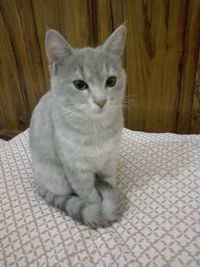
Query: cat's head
point(90, 81)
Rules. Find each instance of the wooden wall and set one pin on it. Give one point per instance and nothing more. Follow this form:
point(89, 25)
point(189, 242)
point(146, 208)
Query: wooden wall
point(162, 57)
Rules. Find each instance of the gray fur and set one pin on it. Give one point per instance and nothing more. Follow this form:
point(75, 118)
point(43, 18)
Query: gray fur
point(73, 141)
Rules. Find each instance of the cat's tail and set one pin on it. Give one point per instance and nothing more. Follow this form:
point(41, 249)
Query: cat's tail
point(95, 214)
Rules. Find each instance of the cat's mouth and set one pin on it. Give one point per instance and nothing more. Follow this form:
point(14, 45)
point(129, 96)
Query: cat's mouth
point(99, 111)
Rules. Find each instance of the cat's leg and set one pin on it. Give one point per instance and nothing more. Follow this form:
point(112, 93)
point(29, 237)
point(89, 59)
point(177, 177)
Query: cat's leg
point(108, 173)
point(51, 182)
point(83, 183)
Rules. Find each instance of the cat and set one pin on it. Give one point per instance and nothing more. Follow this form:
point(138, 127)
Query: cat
point(75, 129)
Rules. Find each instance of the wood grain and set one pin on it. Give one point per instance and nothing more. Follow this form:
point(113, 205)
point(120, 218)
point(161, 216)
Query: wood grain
point(195, 118)
point(156, 30)
point(101, 20)
point(161, 57)
point(191, 44)
point(19, 20)
point(13, 115)
point(76, 24)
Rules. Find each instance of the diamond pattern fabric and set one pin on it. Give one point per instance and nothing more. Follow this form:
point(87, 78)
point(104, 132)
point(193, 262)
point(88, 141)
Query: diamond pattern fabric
point(159, 180)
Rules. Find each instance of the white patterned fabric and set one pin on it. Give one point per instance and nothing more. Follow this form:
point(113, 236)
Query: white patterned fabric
point(159, 180)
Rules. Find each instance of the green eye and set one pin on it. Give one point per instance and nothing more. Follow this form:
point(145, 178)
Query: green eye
point(80, 85)
point(111, 81)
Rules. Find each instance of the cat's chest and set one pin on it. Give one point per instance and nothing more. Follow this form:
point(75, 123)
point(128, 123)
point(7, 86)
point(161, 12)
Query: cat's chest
point(101, 146)
point(94, 147)
point(98, 151)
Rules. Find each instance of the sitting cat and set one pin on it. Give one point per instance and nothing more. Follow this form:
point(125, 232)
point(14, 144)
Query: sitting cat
point(76, 127)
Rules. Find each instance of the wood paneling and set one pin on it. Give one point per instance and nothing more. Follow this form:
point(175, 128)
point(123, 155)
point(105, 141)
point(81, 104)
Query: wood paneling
point(13, 115)
point(188, 65)
point(162, 51)
point(195, 118)
point(19, 20)
point(161, 57)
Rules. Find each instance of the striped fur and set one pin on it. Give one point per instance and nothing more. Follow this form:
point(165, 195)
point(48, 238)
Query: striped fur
point(94, 215)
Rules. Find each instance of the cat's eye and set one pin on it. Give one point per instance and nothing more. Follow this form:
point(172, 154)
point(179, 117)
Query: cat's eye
point(111, 81)
point(80, 85)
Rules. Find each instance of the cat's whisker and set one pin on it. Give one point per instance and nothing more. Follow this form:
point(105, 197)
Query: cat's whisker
point(130, 95)
point(128, 106)
point(129, 103)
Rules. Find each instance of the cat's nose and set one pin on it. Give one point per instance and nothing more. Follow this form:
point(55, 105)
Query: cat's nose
point(101, 103)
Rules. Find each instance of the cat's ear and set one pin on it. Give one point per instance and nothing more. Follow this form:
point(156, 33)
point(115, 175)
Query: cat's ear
point(116, 41)
point(56, 46)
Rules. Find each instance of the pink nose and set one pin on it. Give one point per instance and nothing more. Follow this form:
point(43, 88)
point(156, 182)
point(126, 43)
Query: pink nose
point(101, 103)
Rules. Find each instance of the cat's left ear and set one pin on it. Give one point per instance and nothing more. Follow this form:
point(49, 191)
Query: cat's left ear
point(56, 46)
point(116, 41)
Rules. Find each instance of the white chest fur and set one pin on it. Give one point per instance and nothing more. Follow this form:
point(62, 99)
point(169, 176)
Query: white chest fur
point(94, 149)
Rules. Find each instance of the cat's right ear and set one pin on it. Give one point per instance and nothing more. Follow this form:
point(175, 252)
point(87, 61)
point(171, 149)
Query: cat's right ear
point(116, 41)
point(56, 46)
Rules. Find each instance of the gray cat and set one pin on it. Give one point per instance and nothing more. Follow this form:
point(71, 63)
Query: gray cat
point(76, 127)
